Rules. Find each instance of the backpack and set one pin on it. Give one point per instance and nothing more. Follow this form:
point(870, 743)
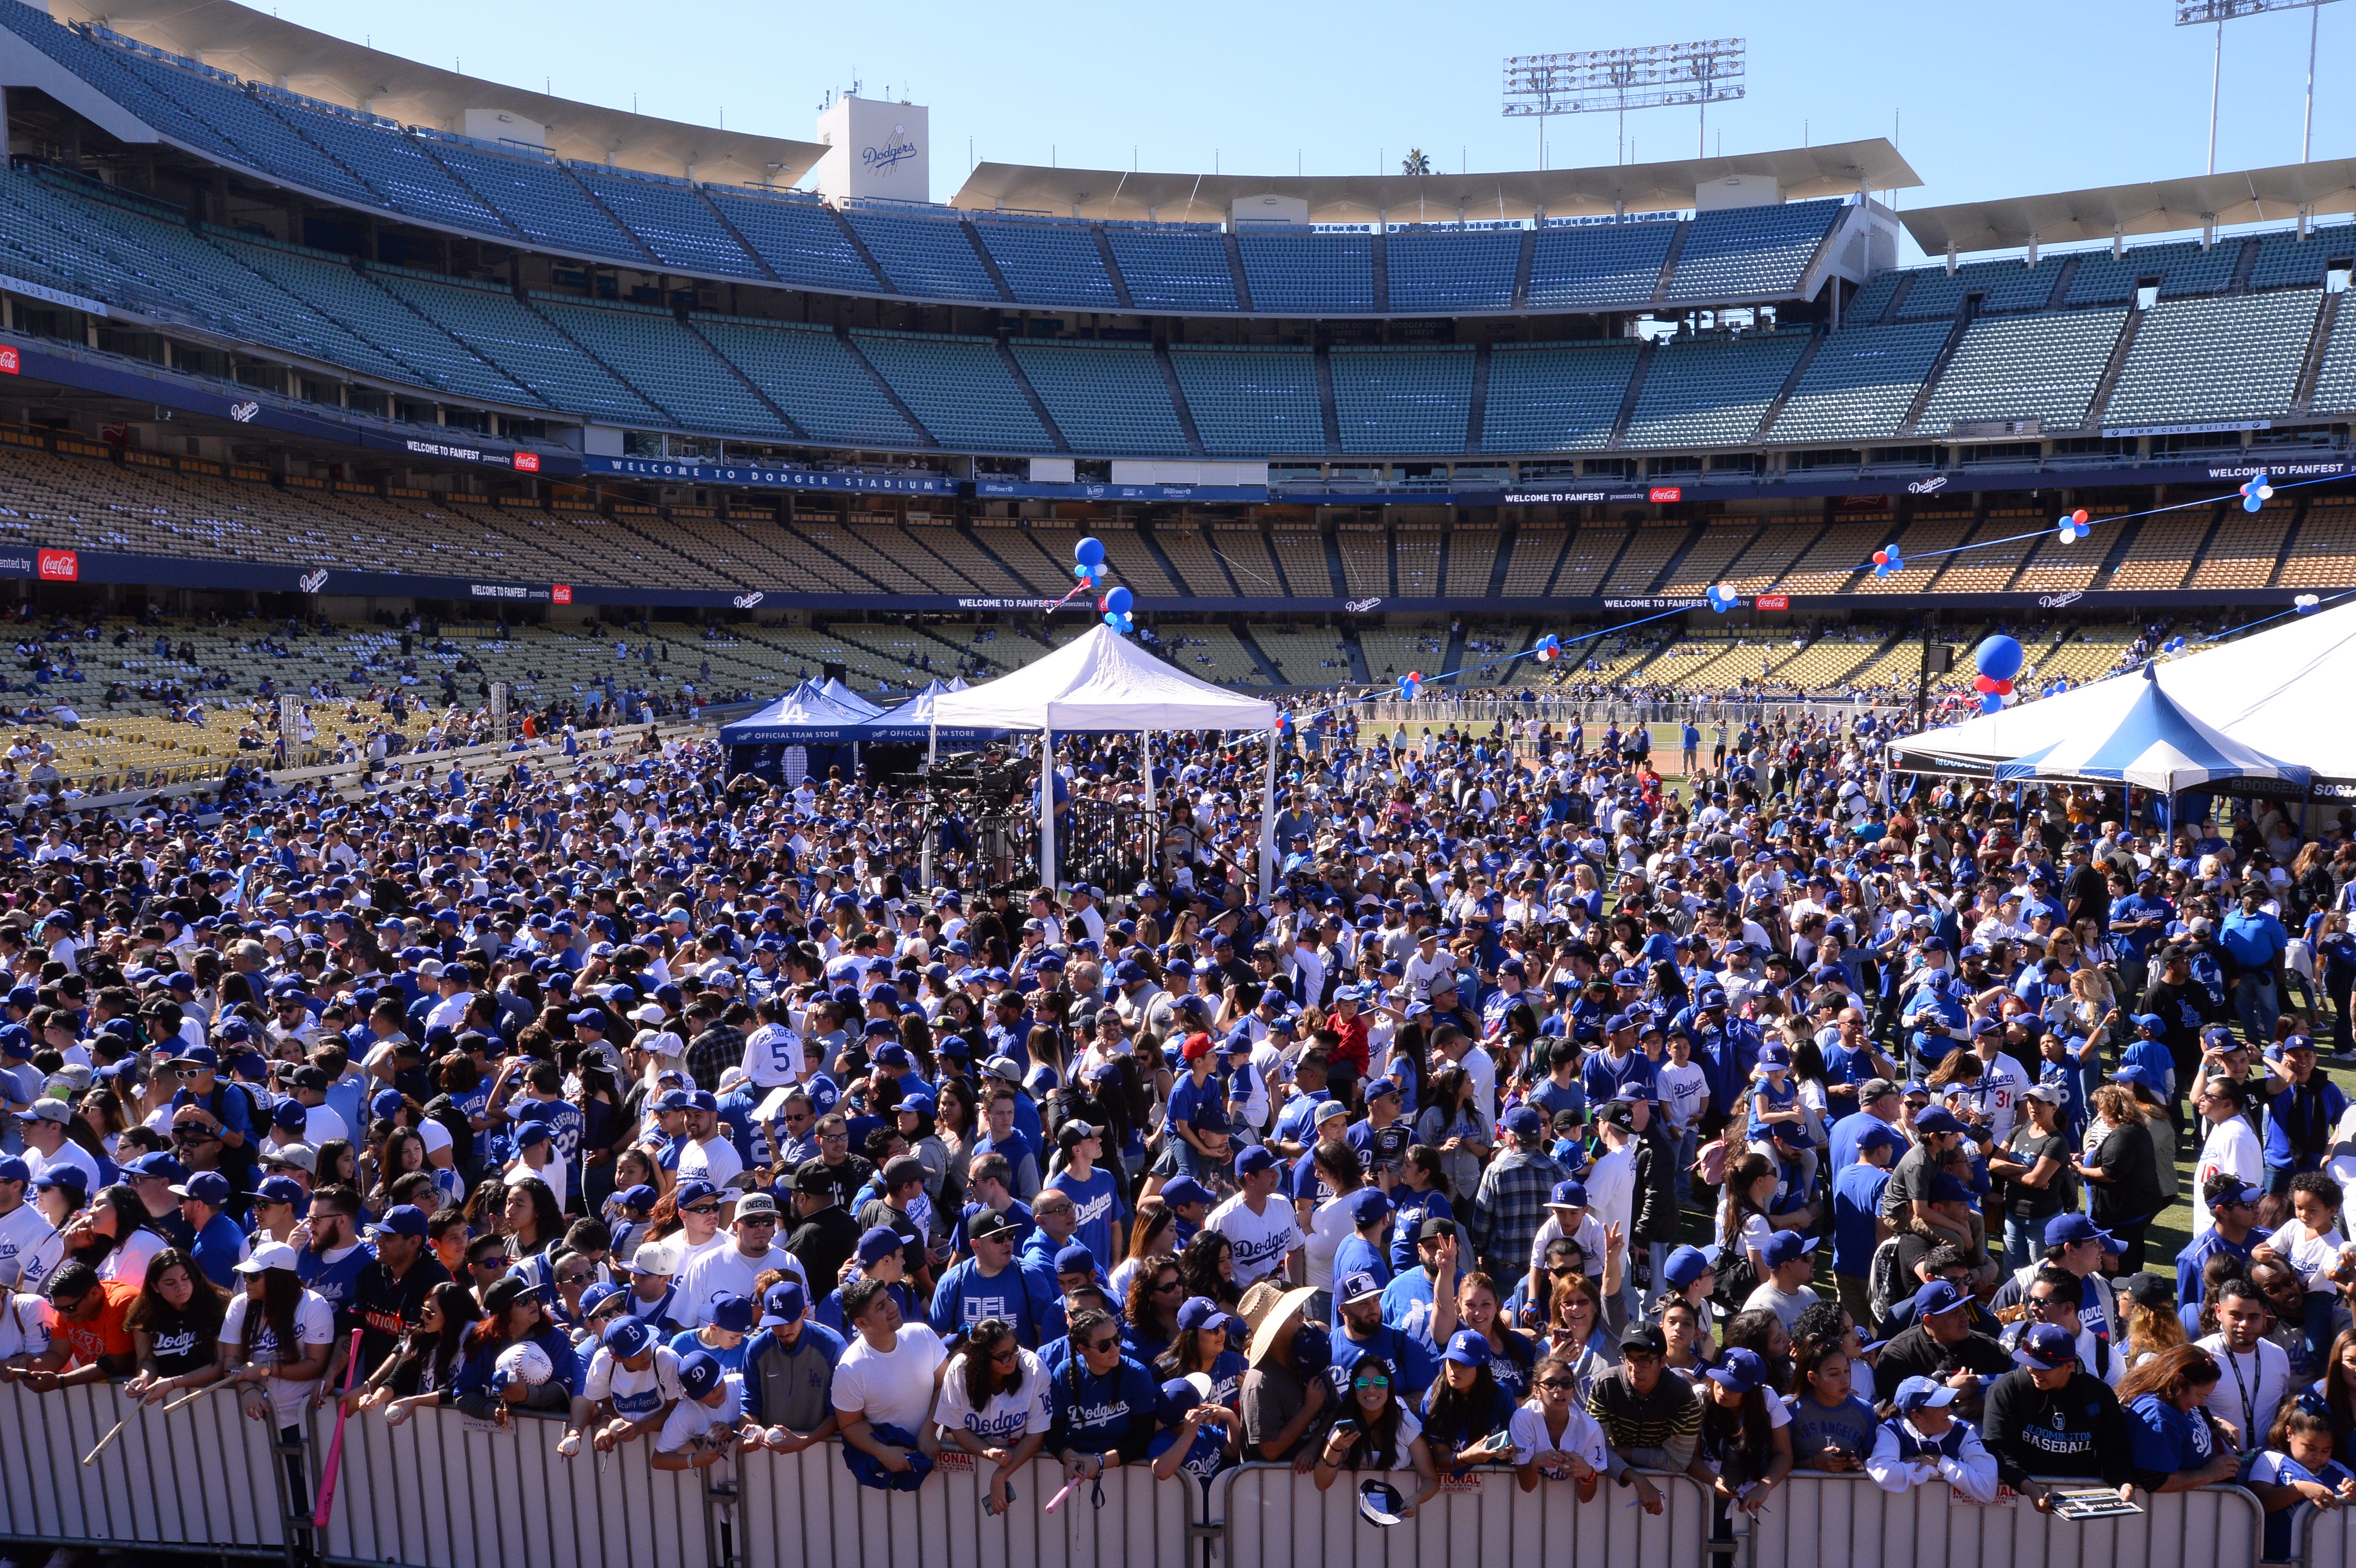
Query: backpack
point(1736, 1279)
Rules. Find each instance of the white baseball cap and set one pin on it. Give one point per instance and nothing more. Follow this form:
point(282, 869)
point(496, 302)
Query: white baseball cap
point(269, 1256)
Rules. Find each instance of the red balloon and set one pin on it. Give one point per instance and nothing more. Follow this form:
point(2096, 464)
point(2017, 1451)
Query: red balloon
point(2004, 688)
point(1414, 678)
point(1984, 683)
point(1881, 557)
point(2079, 515)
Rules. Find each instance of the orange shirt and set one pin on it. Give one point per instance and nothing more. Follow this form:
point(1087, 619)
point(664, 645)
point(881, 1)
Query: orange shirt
point(102, 1335)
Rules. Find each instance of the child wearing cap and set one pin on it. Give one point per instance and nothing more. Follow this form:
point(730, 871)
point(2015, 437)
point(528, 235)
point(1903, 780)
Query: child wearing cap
point(705, 1424)
point(632, 1383)
point(1922, 1443)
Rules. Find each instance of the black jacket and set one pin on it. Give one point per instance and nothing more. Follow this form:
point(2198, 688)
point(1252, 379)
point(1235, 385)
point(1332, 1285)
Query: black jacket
point(2077, 1430)
point(1656, 1187)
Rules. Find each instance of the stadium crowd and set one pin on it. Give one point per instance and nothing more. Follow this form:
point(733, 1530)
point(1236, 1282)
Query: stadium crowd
point(676, 1108)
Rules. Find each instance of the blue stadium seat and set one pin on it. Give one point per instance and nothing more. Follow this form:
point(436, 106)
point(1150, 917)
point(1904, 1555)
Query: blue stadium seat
point(108, 68)
point(1109, 398)
point(2285, 258)
point(671, 220)
point(1556, 397)
point(1861, 384)
point(1742, 252)
point(798, 237)
point(1049, 262)
point(2001, 285)
point(959, 387)
point(391, 161)
point(2182, 269)
point(1303, 272)
point(537, 198)
point(493, 324)
point(928, 257)
point(666, 363)
point(1403, 400)
point(2237, 358)
point(2021, 366)
point(1592, 265)
point(1433, 269)
point(808, 372)
point(1252, 402)
point(1173, 269)
point(1712, 391)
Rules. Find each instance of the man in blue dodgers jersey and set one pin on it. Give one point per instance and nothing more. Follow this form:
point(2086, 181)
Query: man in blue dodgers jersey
point(632, 1383)
point(991, 1284)
point(1094, 1193)
point(1105, 1403)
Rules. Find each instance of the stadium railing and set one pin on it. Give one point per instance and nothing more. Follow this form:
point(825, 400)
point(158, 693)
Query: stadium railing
point(445, 1491)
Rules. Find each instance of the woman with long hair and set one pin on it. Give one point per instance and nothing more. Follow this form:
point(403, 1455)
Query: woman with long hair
point(1201, 1345)
point(1743, 1222)
point(994, 1404)
point(2151, 1327)
point(2123, 1191)
point(112, 1235)
point(529, 1218)
point(1375, 1433)
point(1152, 1234)
point(422, 1368)
point(1554, 1438)
point(1208, 1267)
point(276, 1337)
point(1576, 1332)
point(1480, 1307)
point(596, 1092)
point(398, 1152)
point(1149, 1315)
point(2337, 1389)
point(176, 1327)
point(1457, 1131)
point(1747, 1451)
point(2178, 1443)
point(1466, 1414)
point(1424, 1192)
point(489, 1381)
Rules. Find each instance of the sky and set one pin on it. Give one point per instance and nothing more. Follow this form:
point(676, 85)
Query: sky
point(1996, 99)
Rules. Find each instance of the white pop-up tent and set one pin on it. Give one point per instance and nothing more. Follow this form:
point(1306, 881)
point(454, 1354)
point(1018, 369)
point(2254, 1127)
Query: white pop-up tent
point(1103, 682)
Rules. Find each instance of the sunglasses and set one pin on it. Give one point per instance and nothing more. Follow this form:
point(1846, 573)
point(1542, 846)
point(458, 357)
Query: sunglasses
point(700, 1209)
point(1006, 1356)
point(765, 1222)
point(1372, 1380)
point(1170, 1288)
point(575, 1279)
point(1101, 1347)
point(194, 1135)
point(495, 1262)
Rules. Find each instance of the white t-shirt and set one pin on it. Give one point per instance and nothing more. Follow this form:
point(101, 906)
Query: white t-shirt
point(892, 1389)
point(1262, 1241)
point(129, 1262)
point(683, 1256)
point(29, 1248)
point(315, 1323)
point(636, 1395)
point(691, 1418)
point(2254, 1385)
point(69, 1153)
point(1590, 1237)
point(724, 1270)
point(24, 1324)
point(1686, 1089)
point(715, 1160)
point(1009, 1417)
point(2230, 1149)
point(1581, 1436)
point(1611, 1189)
point(1328, 1227)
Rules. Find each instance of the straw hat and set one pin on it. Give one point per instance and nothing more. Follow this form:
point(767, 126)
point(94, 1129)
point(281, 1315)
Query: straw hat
point(1274, 1313)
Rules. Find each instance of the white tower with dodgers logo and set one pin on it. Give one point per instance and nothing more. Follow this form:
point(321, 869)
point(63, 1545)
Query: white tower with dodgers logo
point(874, 149)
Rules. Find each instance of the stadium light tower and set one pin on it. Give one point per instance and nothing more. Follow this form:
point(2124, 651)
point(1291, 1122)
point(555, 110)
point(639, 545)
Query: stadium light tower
point(1707, 71)
point(2217, 13)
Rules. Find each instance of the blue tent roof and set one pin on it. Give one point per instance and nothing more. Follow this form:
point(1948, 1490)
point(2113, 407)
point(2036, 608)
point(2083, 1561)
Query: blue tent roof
point(2129, 731)
point(803, 716)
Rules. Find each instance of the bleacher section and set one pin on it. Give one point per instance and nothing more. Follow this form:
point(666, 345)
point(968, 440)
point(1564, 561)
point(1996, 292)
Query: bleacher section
point(1860, 383)
point(1302, 274)
point(1531, 567)
point(806, 371)
point(537, 198)
point(1442, 269)
point(1931, 530)
point(2045, 367)
point(1598, 264)
point(1748, 251)
point(925, 256)
point(2002, 286)
point(1104, 396)
point(2161, 555)
point(1300, 551)
point(1830, 564)
point(1770, 554)
point(799, 239)
point(2323, 553)
point(2174, 373)
point(700, 391)
point(1709, 391)
point(1252, 401)
point(1588, 556)
point(2058, 568)
point(1990, 567)
point(1366, 559)
point(1403, 401)
point(1472, 561)
point(1049, 263)
point(2244, 550)
point(959, 387)
point(1639, 562)
point(1179, 268)
point(670, 219)
point(2181, 268)
point(1707, 562)
point(1415, 563)
point(2285, 258)
point(1554, 399)
point(501, 328)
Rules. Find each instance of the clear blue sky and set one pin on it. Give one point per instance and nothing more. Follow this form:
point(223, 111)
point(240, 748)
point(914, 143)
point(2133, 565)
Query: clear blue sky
point(1999, 97)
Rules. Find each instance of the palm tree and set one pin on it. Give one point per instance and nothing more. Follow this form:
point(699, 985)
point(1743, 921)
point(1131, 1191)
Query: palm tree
point(1416, 162)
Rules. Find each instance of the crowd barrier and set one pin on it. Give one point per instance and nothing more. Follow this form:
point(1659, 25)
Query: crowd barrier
point(441, 1491)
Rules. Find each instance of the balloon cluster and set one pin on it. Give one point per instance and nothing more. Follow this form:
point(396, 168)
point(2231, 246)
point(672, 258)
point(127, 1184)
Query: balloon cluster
point(1115, 606)
point(2307, 604)
point(2256, 494)
point(1088, 561)
point(1548, 649)
point(2175, 645)
point(2073, 527)
point(1999, 659)
point(1886, 562)
point(1722, 598)
point(1409, 684)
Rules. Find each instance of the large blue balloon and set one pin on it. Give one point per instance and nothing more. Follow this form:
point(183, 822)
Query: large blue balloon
point(2000, 657)
point(1991, 702)
point(1118, 601)
point(1089, 552)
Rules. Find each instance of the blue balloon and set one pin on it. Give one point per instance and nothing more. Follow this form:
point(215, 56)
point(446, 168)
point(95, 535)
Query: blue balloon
point(1991, 702)
point(2252, 504)
point(1089, 551)
point(1081, 572)
point(1118, 601)
point(2000, 657)
point(1112, 620)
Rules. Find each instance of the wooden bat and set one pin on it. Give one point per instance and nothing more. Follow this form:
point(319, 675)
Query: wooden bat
point(336, 1444)
point(111, 1433)
point(192, 1398)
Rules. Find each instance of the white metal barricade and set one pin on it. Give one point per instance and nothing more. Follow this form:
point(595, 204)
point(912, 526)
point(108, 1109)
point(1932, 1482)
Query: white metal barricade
point(198, 1477)
point(1814, 1520)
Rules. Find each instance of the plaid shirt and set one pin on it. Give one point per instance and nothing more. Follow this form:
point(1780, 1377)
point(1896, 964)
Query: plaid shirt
point(712, 1053)
point(1509, 1209)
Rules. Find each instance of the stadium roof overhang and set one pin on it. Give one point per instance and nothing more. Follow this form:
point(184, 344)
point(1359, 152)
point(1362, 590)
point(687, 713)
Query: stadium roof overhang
point(2119, 211)
point(1840, 169)
point(260, 47)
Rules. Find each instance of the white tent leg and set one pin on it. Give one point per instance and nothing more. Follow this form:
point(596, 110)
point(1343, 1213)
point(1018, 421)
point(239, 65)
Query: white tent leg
point(1047, 809)
point(1268, 823)
point(932, 755)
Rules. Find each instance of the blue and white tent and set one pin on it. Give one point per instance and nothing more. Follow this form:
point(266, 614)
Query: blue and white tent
point(913, 720)
point(2128, 729)
point(842, 696)
point(802, 717)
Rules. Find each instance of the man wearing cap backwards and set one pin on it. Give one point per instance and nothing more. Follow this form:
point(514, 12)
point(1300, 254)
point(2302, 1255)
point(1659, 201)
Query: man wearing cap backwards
point(632, 1383)
point(1922, 1443)
point(2048, 1418)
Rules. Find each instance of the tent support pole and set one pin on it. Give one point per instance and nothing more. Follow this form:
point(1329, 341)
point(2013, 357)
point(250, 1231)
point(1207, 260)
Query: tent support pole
point(932, 755)
point(1047, 810)
point(1268, 823)
point(1145, 772)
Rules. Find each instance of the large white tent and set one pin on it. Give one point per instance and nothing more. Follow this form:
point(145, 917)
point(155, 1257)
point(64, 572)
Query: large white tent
point(2260, 712)
point(1103, 682)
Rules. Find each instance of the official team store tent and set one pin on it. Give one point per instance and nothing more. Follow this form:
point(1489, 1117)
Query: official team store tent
point(802, 717)
point(1103, 682)
point(913, 720)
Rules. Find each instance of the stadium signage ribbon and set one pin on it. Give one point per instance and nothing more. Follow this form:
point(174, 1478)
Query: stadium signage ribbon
point(780, 478)
point(82, 303)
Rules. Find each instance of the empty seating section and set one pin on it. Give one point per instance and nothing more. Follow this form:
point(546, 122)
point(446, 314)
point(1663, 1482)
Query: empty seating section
point(262, 140)
point(1830, 564)
point(1301, 550)
point(537, 198)
point(1860, 383)
point(1828, 662)
point(1215, 654)
point(1366, 559)
point(109, 69)
point(1131, 558)
point(980, 565)
point(1005, 539)
point(2323, 552)
point(1585, 560)
point(1173, 269)
point(2088, 653)
point(1712, 391)
point(808, 372)
point(1593, 265)
point(930, 257)
point(1989, 567)
point(959, 387)
point(691, 383)
point(1252, 401)
point(2335, 386)
point(1414, 558)
point(1530, 568)
point(925, 549)
point(1928, 532)
point(393, 163)
point(2161, 555)
point(855, 553)
point(1392, 652)
point(2058, 568)
point(1762, 566)
point(754, 549)
point(1403, 400)
point(1472, 561)
point(1246, 555)
point(1485, 648)
point(1049, 263)
point(2285, 258)
point(1739, 252)
point(2181, 268)
point(494, 324)
point(1871, 302)
point(1106, 398)
point(2244, 551)
point(1317, 658)
point(2044, 366)
point(1443, 269)
point(1712, 553)
point(1639, 563)
point(798, 238)
point(1305, 274)
point(670, 219)
point(2001, 285)
point(1555, 398)
point(1191, 555)
point(2235, 358)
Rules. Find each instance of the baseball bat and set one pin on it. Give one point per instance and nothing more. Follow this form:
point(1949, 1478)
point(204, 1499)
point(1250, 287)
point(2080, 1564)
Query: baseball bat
point(336, 1444)
point(111, 1433)
point(1058, 1500)
point(192, 1398)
